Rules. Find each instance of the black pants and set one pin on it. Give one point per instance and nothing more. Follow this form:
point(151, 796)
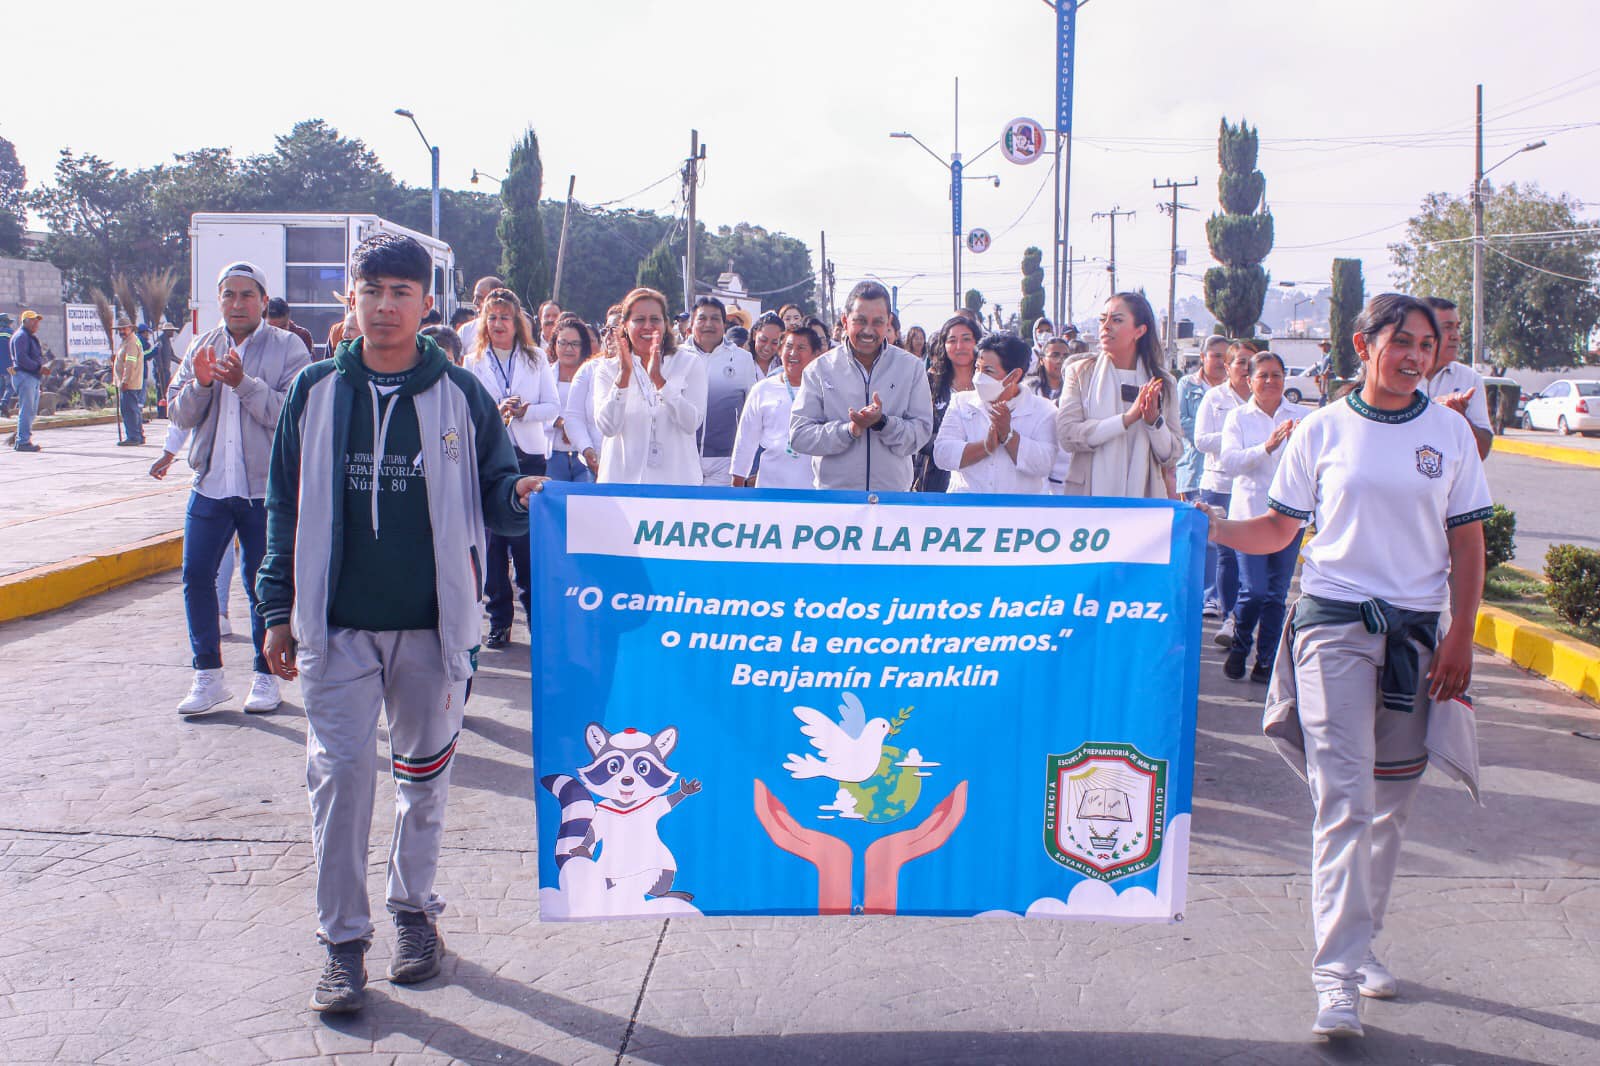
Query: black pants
point(506, 554)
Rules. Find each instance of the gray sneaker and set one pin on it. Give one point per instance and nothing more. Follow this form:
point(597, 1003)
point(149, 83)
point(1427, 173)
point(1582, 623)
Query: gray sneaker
point(418, 948)
point(1337, 1013)
point(1376, 980)
point(1224, 635)
point(342, 988)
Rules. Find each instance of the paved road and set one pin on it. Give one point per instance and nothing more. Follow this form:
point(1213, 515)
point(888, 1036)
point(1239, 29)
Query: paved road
point(1555, 503)
point(156, 882)
point(1555, 440)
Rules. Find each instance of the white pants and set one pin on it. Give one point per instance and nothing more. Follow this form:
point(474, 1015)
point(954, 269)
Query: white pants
point(716, 470)
point(401, 673)
point(1363, 763)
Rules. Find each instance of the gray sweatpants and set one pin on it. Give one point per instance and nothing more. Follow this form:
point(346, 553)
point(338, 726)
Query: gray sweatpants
point(401, 673)
point(1363, 763)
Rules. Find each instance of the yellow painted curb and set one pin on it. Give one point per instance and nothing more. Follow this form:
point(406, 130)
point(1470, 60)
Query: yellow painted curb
point(46, 588)
point(1570, 663)
point(1554, 453)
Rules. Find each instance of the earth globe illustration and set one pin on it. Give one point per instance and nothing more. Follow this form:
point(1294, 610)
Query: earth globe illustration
point(889, 793)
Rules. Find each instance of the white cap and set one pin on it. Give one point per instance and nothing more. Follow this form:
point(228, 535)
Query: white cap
point(243, 268)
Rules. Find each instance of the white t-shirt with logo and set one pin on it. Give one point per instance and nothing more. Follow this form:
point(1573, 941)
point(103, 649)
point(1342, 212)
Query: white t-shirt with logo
point(1383, 487)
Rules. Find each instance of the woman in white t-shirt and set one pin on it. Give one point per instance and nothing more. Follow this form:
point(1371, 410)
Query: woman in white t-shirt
point(1398, 494)
point(649, 399)
point(1253, 439)
point(1118, 413)
point(573, 451)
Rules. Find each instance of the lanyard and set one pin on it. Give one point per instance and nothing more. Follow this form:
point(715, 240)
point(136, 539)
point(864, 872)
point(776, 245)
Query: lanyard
point(506, 377)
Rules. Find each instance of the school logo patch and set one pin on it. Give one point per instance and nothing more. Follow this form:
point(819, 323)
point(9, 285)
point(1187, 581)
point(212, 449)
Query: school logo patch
point(1105, 809)
point(452, 444)
point(1430, 461)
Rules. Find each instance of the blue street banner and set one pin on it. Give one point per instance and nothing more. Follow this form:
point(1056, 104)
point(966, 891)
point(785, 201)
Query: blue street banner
point(788, 703)
point(955, 196)
point(1066, 44)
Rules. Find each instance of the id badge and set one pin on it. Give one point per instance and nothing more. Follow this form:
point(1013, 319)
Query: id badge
point(654, 457)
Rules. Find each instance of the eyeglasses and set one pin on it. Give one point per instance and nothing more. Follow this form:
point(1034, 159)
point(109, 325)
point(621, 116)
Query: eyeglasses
point(569, 344)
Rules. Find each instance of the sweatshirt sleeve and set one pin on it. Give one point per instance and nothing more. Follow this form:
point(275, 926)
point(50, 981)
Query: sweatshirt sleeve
point(263, 400)
point(905, 434)
point(275, 578)
point(187, 399)
point(498, 472)
point(810, 431)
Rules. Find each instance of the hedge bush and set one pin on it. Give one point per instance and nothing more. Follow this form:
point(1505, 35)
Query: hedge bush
point(1574, 575)
point(1499, 537)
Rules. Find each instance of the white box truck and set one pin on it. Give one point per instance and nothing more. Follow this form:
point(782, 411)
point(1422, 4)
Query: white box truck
point(306, 259)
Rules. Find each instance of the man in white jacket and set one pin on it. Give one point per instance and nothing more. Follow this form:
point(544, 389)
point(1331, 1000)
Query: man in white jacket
point(730, 375)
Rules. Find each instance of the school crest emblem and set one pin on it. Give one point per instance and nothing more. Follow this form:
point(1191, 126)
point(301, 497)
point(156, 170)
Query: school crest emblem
point(1430, 461)
point(451, 439)
point(1105, 810)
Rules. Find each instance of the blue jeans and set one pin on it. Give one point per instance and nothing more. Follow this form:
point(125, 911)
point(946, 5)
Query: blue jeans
point(133, 414)
point(568, 466)
point(1265, 586)
point(8, 386)
point(27, 404)
point(1222, 577)
point(506, 554)
point(209, 527)
point(1210, 569)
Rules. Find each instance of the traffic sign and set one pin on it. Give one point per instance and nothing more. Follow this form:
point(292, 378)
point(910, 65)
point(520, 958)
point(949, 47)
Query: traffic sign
point(1022, 141)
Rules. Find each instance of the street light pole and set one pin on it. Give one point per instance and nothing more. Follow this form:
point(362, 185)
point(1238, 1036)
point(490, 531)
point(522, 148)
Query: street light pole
point(433, 154)
point(1475, 353)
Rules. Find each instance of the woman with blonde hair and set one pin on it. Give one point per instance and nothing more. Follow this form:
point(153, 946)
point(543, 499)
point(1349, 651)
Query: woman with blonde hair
point(649, 400)
point(503, 357)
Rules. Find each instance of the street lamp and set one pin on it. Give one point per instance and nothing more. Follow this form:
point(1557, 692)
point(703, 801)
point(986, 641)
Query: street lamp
point(476, 174)
point(433, 153)
point(956, 178)
point(1475, 354)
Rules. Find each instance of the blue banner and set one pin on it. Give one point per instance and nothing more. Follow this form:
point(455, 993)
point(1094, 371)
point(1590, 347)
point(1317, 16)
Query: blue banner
point(772, 702)
point(1066, 44)
point(955, 197)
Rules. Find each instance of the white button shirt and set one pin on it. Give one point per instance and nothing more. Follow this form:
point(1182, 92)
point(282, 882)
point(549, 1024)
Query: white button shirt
point(648, 434)
point(764, 425)
point(227, 477)
point(1456, 376)
point(1244, 456)
point(966, 421)
point(529, 378)
point(1214, 409)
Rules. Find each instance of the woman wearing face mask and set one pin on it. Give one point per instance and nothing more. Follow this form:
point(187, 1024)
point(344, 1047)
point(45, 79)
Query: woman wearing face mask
point(1118, 413)
point(950, 372)
point(1379, 646)
point(998, 437)
point(1253, 436)
point(1046, 379)
point(649, 400)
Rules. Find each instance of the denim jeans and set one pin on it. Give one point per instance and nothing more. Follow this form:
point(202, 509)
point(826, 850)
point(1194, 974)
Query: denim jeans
point(209, 527)
point(133, 414)
point(506, 553)
point(27, 404)
point(8, 386)
point(568, 466)
point(1264, 586)
point(1222, 580)
point(1210, 569)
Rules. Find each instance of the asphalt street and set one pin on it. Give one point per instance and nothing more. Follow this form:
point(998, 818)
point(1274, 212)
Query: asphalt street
point(1555, 503)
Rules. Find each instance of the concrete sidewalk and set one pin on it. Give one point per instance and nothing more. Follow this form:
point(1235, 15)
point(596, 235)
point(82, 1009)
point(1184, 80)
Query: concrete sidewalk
point(157, 883)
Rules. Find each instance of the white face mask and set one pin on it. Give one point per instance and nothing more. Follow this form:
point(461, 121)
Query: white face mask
point(987, 388)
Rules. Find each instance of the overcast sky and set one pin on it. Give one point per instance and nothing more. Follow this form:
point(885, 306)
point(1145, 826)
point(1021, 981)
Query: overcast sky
point(1364, 106)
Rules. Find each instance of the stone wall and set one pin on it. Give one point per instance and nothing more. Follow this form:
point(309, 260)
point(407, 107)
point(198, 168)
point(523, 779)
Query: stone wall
point(31, 284)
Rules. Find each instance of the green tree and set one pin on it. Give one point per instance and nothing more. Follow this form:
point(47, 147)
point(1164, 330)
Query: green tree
point(974, 302)
point(1240, 236)
point(522, 250)
point(102, 222)
point(659, 271)
point(775, 267)
point(1539, 297)
point(1032, 307)
point(604, 250)
point(1348, 295)
point(314, 168)
point(13, 215)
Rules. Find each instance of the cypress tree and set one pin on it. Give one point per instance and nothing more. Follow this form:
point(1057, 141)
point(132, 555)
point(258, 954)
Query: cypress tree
point(522, 254)
point(1032, 292)
point(659, 271)
point(1240, 235)
point(1343, 305)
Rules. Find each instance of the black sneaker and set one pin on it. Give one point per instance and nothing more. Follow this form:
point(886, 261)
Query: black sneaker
point(1233, 668)
point(499, 637)
point(26, 447)
point(1260, 673)
point(418, 948)
point(342, 988)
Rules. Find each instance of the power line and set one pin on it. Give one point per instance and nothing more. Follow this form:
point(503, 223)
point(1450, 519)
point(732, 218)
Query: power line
point(675, 172)
point(1539, 269)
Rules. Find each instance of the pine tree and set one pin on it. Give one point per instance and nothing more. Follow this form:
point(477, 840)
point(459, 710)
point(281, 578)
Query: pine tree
point(1344, 304)
point(974, 302)
point(521, 232)
point(659, 271)
point(1032, 307)
point(1240, 236)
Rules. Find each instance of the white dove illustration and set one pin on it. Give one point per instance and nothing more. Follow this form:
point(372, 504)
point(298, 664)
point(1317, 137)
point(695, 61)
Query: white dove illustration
point(851, 748)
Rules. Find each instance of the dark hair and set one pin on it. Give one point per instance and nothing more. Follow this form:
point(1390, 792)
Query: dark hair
point(906, 339)
point(712, 301)
point(940, 372)
point(277, 307)
point(1148, 349)
point(1038, 379)
point(810, 336)
point(568, 320)
point(434, 317)
point(764, 319)
point(391, 255)
point(894, 320)
point(1388, 310)
point(820, 328)
point(462, 314)
point(787, 307)
point(865, 290)
point(1012, 351)
point(738, 336)
point(549, 303)
point(446, 338)
point(1439, 303)
point(1261, 357)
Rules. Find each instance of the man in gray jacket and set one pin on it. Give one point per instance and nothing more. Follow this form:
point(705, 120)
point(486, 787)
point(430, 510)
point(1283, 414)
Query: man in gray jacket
point(869, 446)
point(229, 391)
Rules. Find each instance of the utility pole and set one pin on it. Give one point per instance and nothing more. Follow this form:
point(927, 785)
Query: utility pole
point(1061, 325)
point(1474, 353)
point(691, 182)
point(823, 296)
point(1172, 279)
point(1112, 215)
point(561, 246)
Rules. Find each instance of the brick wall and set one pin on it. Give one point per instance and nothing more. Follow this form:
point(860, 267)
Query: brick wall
point(31, 284)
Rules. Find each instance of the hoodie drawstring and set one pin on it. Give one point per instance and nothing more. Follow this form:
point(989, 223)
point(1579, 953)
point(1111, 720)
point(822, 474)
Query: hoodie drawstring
point(380, 433)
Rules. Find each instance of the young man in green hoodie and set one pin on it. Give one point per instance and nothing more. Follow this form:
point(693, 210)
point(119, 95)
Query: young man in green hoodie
point(388, 465)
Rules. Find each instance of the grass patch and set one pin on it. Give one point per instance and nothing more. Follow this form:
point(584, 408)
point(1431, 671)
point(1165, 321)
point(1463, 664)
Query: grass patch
point(1522, 593)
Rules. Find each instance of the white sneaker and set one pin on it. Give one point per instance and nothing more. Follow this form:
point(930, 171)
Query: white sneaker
point(1338, 1013)
point(1224, 637)
point(209, 690)
point(1376, 980)
point(263, 694)
point(224, 627)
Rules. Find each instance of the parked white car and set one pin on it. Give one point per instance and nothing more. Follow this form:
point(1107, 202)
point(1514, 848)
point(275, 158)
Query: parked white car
point(1569, 406)
point(1299, 386)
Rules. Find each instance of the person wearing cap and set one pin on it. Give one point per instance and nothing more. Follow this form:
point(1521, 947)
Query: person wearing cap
point(27, 365)
point(7, 388)
point(229, 392)
point(127, 374)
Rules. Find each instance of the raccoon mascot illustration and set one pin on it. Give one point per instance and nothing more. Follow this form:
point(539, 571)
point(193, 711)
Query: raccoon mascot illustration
point(613, 806)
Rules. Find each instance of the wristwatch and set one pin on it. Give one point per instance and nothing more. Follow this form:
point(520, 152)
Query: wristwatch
point(1160, 421)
